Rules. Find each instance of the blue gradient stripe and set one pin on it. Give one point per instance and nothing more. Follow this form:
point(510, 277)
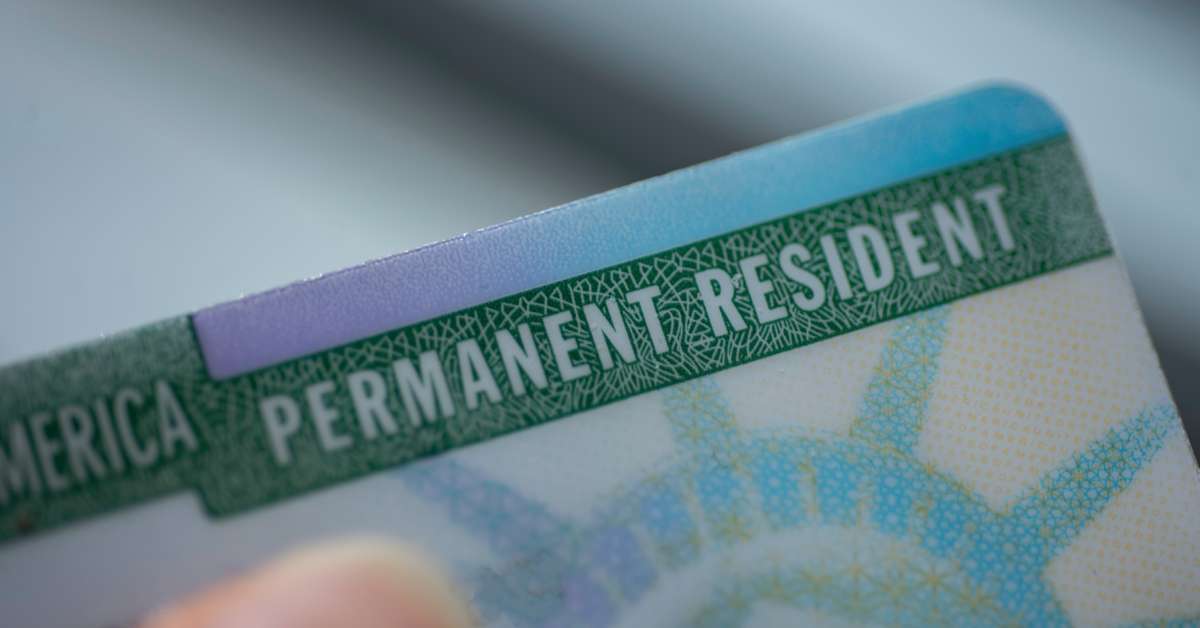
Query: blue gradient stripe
point(605, 230)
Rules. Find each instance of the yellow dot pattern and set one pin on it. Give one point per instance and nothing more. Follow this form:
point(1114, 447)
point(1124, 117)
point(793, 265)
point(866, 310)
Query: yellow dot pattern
point(1141, 558)
point(1032, 373)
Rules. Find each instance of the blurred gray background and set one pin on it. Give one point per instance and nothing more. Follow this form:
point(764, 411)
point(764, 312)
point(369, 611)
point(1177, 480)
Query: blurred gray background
point(156, 158)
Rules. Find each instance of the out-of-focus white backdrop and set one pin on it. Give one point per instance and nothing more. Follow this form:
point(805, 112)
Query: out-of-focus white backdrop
point(155, 160)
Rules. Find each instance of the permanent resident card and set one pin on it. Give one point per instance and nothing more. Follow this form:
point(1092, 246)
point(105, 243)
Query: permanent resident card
point(889, 372)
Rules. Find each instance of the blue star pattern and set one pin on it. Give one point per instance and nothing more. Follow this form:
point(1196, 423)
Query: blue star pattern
point(918, 546)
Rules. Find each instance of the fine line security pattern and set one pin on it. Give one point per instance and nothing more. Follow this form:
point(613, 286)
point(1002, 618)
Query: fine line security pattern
point(208, 434)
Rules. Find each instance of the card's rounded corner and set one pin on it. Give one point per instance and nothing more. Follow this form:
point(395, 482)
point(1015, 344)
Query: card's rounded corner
point(1020, 98)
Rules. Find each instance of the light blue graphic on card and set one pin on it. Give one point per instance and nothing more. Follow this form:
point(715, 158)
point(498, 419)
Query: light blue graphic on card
point(915, 546)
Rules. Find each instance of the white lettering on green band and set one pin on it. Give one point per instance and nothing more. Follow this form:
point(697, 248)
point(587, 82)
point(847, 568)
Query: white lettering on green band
point(137, 416)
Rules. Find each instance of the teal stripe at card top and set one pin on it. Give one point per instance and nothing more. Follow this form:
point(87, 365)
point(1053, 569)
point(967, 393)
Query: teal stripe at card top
point(602, 231)
point(797, 173)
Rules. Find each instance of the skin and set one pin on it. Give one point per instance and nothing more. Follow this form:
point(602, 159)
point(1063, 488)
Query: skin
point(355, 584)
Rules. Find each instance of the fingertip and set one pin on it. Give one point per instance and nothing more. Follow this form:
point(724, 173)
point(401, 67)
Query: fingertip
point(359, 583)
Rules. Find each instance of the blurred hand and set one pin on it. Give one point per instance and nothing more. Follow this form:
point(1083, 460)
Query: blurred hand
point(355, 584)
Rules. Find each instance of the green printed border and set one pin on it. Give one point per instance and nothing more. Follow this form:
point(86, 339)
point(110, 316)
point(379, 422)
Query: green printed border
point(1049, 208)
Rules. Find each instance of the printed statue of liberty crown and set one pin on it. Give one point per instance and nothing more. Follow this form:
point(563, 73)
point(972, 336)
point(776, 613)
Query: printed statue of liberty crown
point(877, 536)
